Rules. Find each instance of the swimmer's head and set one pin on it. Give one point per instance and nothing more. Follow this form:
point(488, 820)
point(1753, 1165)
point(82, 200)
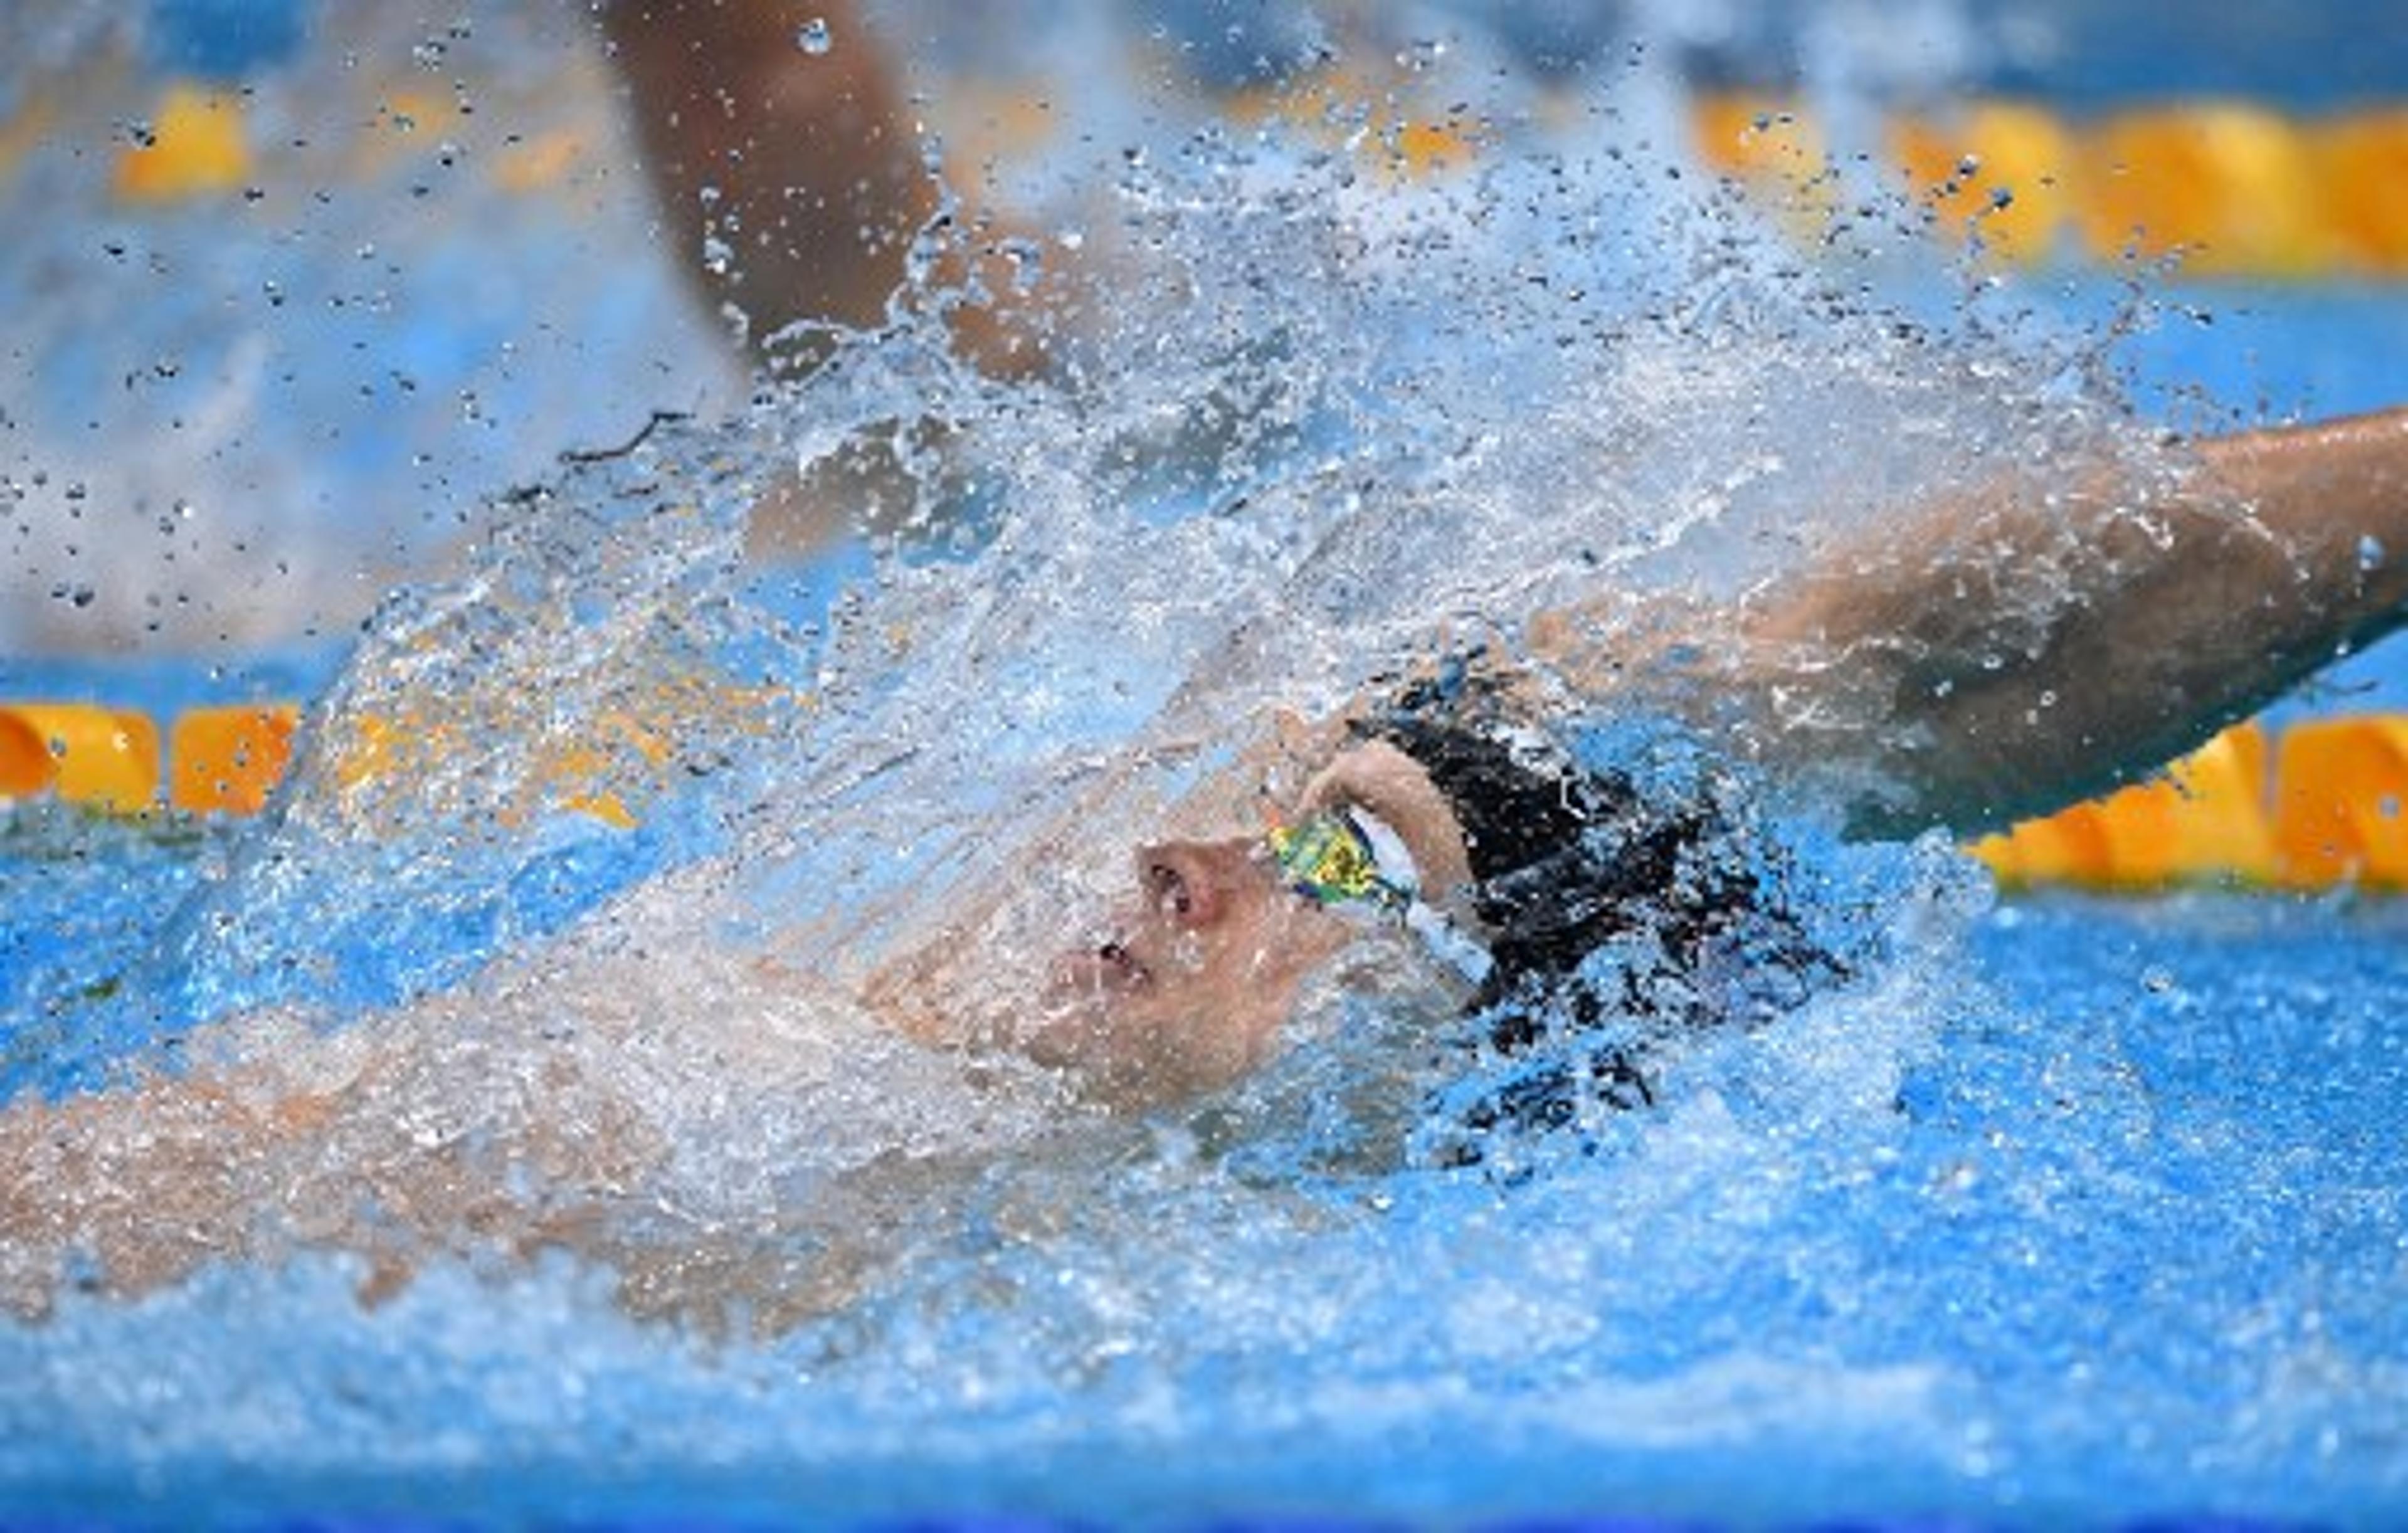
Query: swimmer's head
point(1482, 861)
point(1179, 974)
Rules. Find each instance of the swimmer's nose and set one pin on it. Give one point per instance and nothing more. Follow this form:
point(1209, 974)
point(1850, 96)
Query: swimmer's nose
point(1186, 883)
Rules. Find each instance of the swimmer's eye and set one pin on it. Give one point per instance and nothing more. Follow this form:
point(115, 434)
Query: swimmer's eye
point(1168, 888)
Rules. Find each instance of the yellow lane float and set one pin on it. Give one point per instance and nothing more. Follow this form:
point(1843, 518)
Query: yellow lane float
point(197, 146)
point(86, 754)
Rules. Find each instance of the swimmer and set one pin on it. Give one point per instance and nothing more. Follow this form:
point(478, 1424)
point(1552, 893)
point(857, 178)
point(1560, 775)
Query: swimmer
point(2000, 655)
point(2003, 652)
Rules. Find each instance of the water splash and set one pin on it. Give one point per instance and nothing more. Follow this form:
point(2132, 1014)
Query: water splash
point(592, 851)
point(1280, 469)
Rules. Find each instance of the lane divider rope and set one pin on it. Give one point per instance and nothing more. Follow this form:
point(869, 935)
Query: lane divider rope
point(2233, 187)
point(2322, 803)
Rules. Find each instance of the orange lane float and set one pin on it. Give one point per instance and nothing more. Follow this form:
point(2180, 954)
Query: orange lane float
point(1776, 153)
point(2342, 803)
point(2321, 804)
point(605, 761)
point(27, 767)
point(2004, 173)
point(2230, 188)
point(2227, 188)
point(225, 760)
point(2205, 818)
point(2361, 164)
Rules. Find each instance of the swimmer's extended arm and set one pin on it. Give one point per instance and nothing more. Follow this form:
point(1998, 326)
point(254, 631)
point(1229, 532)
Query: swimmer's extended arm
point(2004, 653)
point(775, 135)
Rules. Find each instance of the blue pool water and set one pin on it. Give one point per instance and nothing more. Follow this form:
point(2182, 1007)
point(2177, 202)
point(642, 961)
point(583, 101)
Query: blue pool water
point(2060, 1212)
point(2130, 1248)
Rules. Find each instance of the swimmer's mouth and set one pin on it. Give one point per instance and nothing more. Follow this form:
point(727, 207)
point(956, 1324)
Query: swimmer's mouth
point(1110, 966)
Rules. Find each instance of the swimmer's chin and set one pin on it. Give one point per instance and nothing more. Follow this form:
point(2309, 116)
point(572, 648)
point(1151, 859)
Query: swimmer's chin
point(1130, 1056)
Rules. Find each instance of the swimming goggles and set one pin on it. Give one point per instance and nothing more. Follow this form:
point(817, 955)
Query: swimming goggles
point(1334, 859)
point(1351, 858)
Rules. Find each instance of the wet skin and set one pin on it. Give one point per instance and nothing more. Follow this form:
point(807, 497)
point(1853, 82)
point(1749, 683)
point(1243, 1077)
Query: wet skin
point(1189, 988)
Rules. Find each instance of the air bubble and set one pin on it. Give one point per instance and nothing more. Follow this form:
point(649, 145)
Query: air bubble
point(813, 39)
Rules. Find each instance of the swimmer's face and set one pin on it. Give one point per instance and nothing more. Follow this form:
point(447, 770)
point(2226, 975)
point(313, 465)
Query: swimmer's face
point(1188, 988)
point(1182, 984)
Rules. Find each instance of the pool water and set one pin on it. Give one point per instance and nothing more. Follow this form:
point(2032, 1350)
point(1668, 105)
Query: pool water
point(2058, 1211)
point(2114, 1233)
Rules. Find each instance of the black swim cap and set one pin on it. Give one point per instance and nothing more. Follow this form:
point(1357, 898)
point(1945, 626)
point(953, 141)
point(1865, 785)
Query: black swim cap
point(1567, 860)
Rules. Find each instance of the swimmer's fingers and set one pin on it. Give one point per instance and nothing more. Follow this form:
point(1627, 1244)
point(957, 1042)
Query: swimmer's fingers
point(1392, 785)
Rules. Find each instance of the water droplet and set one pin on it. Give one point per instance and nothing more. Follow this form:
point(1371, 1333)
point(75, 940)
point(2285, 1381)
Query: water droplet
point(813, 36)
point(2369, 554)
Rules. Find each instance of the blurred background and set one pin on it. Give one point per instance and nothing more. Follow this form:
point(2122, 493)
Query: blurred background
point(292, 287)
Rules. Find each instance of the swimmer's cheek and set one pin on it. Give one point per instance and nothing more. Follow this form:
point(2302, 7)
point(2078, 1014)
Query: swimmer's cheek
point(1113, 1055)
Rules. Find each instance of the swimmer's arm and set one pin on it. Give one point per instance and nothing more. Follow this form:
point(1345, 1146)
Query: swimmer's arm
point(2003, 654)
point(802, 168)
point(132, 1189)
